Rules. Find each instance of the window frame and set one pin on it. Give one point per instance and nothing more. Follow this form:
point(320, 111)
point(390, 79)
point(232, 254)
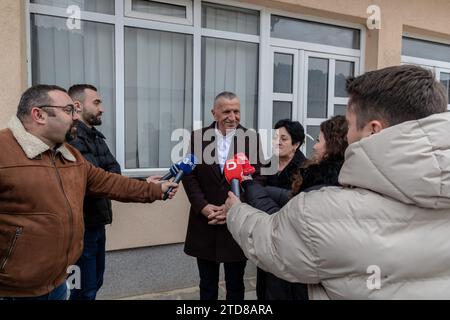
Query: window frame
point(265, 55)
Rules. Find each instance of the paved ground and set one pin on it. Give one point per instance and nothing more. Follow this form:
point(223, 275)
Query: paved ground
point(193, 293)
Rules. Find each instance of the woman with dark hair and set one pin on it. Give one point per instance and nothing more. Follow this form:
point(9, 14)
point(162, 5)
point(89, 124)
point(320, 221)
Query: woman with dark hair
point(328, 157)
point(321, 170)
point(289, 137)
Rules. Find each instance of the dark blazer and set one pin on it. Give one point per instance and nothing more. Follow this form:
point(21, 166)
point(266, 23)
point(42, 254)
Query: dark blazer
point(207, 185)
point(91, 143)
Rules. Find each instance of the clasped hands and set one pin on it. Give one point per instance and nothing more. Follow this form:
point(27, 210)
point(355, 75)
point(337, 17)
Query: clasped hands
point(218, 214)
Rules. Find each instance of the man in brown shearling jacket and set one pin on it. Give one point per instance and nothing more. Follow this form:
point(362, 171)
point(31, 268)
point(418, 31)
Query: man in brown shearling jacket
point(43, 181)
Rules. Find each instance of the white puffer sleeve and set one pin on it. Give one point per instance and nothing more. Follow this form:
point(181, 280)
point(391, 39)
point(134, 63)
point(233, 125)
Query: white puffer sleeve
point(279, 243)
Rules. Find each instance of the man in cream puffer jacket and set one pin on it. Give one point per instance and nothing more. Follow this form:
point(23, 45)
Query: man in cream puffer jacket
point(385, 233)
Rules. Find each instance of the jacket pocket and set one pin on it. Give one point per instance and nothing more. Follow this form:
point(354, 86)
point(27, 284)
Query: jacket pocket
point(34, 255)
point(8, 240)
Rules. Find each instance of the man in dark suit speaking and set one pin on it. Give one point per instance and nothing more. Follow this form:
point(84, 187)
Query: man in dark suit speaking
point(207, 236)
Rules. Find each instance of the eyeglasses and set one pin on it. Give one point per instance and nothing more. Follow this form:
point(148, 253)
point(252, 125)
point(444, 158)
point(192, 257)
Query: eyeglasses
point(69, 109)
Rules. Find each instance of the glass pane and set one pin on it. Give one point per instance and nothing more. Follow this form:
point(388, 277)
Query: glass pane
point(158, 94)
point(313, 132)
point(308, 31)
point(232, 66)
point(344, 69)
point(425, 49)
point(64, 57)
point(339, 109)
point(233, 19)
point(158, 8)
point(101, 6)
point(282, 72)
point(317, 88)
point(281, 110)
point(445, 80)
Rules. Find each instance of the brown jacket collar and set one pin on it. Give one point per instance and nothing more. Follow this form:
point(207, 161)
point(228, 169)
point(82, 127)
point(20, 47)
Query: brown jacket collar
point(32, 145)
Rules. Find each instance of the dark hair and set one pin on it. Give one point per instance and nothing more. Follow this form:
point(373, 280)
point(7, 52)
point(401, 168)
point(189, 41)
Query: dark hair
point(76, 92)
point(225, 94)
point(334, 131)
point(395, 95)
point(294, 128)
point(35, 96)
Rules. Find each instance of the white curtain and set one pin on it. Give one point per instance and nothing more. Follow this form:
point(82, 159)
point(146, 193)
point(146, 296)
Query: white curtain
point(158, 94)
point(65, 57)
point(232, 66)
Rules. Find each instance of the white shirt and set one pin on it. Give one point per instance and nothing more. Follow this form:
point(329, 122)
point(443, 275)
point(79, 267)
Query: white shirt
point(223, 145)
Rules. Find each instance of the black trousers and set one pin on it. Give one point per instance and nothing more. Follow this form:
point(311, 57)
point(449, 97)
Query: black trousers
point(270, 287)
point(209, 279)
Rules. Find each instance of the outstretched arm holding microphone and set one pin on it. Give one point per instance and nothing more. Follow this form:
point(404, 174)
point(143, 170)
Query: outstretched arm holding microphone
point(177, 170)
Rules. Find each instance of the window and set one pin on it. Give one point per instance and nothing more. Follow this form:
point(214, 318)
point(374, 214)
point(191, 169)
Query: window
point(158, 65)
point(444, 78)
point(100, 6)
point(174, 11)
point(307, 31)
point(225, 18)
point(344, 70)
point(283, 72)
point(317, 88)
point(339, 109)
point(425, 49)
point(281, 110)
point(66, 57)
point(158, 94)
point(434, 56)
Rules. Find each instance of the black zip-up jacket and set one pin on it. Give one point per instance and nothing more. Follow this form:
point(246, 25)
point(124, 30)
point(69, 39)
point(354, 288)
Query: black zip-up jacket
point(268, 286)
point(91, 143)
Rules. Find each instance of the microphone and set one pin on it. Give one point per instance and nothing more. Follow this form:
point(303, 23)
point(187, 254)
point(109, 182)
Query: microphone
point(173, 170)
point(233, 173)
point(242, 159)
point(186, 166)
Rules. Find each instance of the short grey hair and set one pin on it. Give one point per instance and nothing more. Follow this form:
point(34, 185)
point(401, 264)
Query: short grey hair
point(226, 95)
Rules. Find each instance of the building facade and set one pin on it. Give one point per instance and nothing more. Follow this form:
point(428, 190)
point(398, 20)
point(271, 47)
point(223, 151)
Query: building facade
point(159, 64)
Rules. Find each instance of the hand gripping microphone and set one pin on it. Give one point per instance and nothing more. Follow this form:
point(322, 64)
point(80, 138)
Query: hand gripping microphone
point(186, 166)
point(242, 159)
point(173, 170)
point(233, 173)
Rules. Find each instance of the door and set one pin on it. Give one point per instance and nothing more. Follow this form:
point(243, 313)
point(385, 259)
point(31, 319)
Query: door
point(309, 87)
point(325, 92)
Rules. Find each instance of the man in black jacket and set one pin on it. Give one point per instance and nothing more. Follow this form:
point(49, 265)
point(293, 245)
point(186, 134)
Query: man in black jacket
point(97, 211)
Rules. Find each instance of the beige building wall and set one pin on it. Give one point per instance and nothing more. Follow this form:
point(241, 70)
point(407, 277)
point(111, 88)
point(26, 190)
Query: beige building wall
point(13, 60)
point(137, 225)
